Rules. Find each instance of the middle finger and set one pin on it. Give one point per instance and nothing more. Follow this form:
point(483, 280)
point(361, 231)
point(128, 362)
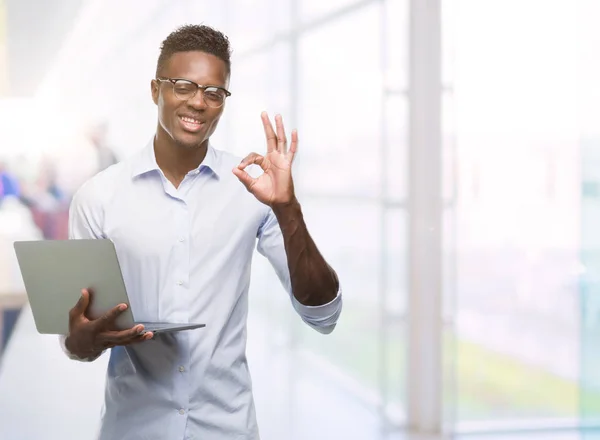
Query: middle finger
point(119, 337)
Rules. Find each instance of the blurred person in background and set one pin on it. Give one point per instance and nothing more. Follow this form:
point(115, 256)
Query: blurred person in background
point(105, 154)
point(185, 219)
point(47, 201)
point(9, 184)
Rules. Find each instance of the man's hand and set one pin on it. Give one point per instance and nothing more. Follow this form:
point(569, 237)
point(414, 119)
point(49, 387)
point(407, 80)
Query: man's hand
point(275, 186)
point(88, 338)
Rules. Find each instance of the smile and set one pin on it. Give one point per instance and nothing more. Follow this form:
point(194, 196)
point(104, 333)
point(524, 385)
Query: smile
point(190, 124)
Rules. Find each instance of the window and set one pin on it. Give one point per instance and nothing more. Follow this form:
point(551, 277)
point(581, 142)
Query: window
point(370, 339)
point(517, 215)
point(258, 83)
point(589, 109)
point(316, 9)
point(252, 24)
point(340, 106)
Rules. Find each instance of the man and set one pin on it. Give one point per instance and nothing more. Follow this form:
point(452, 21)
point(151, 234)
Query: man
point(185, 228)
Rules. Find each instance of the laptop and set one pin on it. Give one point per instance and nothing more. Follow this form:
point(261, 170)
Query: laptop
point(55, 271)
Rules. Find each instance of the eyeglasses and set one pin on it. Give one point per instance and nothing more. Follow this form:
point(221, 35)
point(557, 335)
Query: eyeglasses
point(184, 89)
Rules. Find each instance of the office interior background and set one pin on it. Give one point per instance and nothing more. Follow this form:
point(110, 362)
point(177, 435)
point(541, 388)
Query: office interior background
point(448, 169)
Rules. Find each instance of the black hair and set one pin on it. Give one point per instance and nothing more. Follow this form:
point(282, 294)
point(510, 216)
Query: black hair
point(195, 37)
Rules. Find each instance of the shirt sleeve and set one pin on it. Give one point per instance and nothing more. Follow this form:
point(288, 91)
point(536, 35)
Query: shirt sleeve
point(85, 220)
point(85, 214)
point(322, 318)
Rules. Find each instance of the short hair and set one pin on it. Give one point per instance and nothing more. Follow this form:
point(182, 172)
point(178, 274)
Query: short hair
point(195, 37)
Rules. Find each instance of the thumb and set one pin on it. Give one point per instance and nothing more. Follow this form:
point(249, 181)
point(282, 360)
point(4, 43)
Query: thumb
point(83, 303)
point(245, 178)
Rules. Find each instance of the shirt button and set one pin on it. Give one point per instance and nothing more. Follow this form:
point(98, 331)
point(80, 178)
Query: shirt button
point(181, 239)
point(182, 369)
point(179, 283)
point(182, 411)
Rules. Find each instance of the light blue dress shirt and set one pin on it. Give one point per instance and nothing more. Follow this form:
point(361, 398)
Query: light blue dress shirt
point(185, 254)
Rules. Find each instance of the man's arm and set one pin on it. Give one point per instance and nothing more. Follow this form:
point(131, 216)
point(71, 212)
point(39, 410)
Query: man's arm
point(314, 282)
point(323, 307)
point(85, 220)
point(283, 236)
point(88, 339)
point(86, 215)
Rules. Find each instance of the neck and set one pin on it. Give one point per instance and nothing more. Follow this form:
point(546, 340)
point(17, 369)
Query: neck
point(175, 160)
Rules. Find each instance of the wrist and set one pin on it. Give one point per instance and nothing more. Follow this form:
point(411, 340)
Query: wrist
point(286, 209)
point(76, 351)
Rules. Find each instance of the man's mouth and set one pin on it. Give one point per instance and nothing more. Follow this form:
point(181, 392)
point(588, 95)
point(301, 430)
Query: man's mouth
point(191, 124)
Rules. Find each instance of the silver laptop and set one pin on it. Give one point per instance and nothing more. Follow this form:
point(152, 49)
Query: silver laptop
point(55, 271)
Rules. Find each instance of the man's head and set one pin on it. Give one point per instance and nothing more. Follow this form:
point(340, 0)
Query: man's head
point(200, 55)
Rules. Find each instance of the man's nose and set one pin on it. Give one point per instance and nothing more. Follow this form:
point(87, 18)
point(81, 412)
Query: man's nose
point(197, 101)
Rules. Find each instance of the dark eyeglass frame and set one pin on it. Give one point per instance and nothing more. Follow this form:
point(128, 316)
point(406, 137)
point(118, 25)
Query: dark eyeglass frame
point(173, 81)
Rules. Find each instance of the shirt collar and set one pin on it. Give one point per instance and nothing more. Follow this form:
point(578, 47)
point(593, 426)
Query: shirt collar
point(145, 161)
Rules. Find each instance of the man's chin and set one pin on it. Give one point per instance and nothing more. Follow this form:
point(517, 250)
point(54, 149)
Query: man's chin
point(189, 142)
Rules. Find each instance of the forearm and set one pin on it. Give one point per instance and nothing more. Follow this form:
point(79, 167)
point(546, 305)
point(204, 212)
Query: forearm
point(314, 282)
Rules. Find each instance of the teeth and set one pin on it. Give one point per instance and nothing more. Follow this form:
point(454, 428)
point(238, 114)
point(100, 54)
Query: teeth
point(193, 121)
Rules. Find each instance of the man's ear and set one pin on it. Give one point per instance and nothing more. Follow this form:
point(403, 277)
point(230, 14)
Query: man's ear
point(154, 90)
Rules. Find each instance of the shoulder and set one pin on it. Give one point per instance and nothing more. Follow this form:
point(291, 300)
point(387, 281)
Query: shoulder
point(231, 184)
point(226, 159)
point(101, 187)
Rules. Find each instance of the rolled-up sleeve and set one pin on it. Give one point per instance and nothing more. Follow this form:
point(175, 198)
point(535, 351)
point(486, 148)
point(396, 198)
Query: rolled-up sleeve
point(322, 318)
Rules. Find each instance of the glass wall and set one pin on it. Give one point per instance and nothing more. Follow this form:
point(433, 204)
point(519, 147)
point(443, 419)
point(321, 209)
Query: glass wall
point(516, 237)
point(588, 111)
point(337, 72)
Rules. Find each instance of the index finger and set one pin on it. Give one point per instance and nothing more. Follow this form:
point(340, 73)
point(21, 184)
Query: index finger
point(252, 158)
point(106, 320)
point(269, 133)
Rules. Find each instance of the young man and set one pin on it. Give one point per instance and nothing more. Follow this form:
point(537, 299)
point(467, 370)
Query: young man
point(185, 219)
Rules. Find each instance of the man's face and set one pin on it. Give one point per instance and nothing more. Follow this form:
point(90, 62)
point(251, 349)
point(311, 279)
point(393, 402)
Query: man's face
point(189, 122)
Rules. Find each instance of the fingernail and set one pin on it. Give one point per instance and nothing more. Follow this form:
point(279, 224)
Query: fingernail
point(122, 307)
